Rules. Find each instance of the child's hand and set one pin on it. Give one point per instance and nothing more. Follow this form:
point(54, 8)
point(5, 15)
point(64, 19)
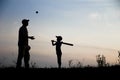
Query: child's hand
point(52, 40)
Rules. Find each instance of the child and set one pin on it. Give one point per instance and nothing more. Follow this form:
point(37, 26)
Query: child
point(58, 44)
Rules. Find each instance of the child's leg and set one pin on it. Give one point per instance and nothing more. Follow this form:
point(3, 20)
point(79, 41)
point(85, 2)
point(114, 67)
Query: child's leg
point(59, 60)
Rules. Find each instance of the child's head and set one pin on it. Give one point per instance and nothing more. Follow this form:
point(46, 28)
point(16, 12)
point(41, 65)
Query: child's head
point(59, 38)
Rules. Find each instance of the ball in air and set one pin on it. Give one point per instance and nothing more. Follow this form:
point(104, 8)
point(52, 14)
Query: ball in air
point(36, 12)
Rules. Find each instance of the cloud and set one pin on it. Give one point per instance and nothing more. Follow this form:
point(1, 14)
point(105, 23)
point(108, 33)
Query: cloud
point(117, 3)
point(94, 15)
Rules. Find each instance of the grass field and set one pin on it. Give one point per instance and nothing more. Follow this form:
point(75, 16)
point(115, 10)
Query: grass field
point(111, 72)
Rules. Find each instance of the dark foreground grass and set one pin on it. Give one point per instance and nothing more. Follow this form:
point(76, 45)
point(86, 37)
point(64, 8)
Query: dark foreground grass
point(112, 72)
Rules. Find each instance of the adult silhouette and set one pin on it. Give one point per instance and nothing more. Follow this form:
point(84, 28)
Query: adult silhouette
point(23, 45)
point(58, 44)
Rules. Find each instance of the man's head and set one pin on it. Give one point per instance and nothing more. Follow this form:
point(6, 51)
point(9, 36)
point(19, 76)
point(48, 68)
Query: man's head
point(25, 22)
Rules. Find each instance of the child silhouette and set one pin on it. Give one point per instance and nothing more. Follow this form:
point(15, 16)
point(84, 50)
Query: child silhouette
point(58, 44)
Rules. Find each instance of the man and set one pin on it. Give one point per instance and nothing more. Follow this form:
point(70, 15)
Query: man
point(23, 46)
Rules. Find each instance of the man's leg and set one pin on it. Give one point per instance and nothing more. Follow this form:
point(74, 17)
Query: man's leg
point(20, 56)
point(26, 58)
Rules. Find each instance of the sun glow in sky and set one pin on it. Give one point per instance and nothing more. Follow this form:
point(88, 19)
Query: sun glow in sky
point(93, 26)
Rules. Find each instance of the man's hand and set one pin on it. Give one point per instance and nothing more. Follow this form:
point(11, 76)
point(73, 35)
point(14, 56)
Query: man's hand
point(31, 37)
